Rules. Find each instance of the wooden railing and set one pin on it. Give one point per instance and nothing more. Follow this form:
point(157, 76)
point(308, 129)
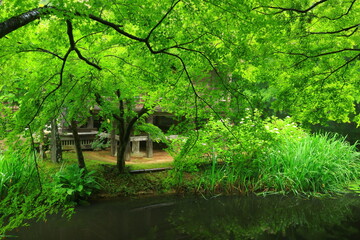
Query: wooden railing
point(87, 138)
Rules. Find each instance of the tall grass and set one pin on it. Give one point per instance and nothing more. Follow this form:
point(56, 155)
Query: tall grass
point(313, 164)
point(14, 168)
point(225, 177)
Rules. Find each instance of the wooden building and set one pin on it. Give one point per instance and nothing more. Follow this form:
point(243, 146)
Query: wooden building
point(89, 132)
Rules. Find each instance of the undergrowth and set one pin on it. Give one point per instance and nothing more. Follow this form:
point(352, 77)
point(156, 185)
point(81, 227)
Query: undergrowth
point(27, 194)
point(283, 158)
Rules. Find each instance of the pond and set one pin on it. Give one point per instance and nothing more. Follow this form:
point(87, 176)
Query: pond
point(230, 217)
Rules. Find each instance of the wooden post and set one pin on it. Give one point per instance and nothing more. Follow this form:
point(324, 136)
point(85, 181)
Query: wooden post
point(127, 152)
point(149, 142)
point(56, 150)
point(135, 147)
point(90, 122)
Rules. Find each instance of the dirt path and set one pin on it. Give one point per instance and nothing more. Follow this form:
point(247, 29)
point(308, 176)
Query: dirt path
point(105, 156)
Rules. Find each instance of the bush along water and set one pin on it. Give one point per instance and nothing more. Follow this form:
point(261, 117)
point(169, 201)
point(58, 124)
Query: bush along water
point(310, 165)
point(265, 156)
point(27, 194)
point(219, 156)
point(23, 195)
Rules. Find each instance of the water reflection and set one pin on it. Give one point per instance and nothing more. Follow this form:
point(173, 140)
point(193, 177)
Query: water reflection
point(270, 218)
point(196, 218)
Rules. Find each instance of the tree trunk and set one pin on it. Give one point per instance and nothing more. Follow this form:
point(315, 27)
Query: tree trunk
point(56, 150)
point(121, 156)
point(79, 153)
point(123, 148)
point(21, 20)
point(113, 141)
point(149, 142)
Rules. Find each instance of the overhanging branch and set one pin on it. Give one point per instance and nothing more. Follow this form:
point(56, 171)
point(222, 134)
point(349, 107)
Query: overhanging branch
point(344, 14)
point(306, 57)
point(356, 26)
point(283, 9)
point(21, 20)
point(44, 51)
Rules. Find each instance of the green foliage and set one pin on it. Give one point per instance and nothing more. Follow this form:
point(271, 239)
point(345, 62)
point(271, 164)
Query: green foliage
point(224, 141)
point(355, 186)
point(18, 208)
point(14, 168)
point(226, 148)
point(77, 183)
point(283, 158)
point(196, 59)
point(313, 164)
point(283, 130)
point(23, 195)
point(155, 132)
point(101, 142)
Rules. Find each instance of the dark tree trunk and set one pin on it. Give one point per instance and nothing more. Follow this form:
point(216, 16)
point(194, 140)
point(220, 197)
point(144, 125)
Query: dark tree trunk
point(56, 150)
point(79, 153)
point(121, 157)
point(113, 139)
point(123, 140)
point(21, 20)
point(123, 150)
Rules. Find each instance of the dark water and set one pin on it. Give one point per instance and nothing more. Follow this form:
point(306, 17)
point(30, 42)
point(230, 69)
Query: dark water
point(274, 217)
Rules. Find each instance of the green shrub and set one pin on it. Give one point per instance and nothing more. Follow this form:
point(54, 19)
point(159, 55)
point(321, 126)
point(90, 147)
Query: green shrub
point(23, 195)
point(226, 141)
point(18, 208)
point(312, 164)
point(101, 142)
point(78, 183)
point(284, 129)
point(272, 156)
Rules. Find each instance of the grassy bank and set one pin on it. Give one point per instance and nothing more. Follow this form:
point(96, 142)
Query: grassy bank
point(309, 165)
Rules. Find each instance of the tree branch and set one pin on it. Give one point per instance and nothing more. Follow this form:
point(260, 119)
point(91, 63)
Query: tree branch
point(86, 60)
point(135, 66)
point(218, 74)
point(282, 9)
point(161, 20)
point(338, 31)
point(175, 46)
point(43, 50)
point(338, 68)
point(21, 20)
point(54, 90)
point(70, 34)
point(74, 48)
point(139, 114)
point(116, 28)
point(344, 14)
point(321, 54)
